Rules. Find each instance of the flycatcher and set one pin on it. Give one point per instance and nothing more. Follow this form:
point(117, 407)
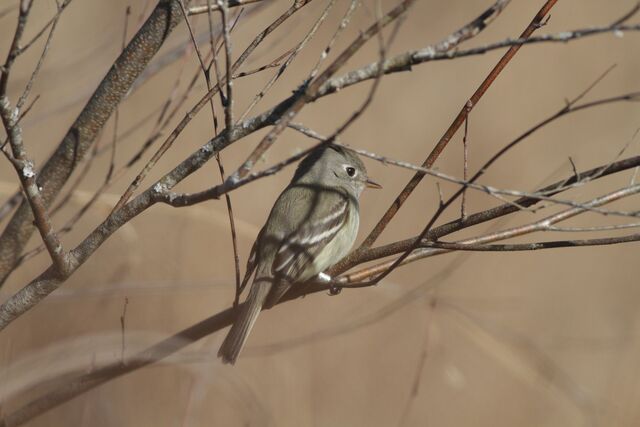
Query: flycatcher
point(311, 227)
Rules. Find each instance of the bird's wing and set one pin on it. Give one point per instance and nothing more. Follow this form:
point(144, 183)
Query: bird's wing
point(294, 258)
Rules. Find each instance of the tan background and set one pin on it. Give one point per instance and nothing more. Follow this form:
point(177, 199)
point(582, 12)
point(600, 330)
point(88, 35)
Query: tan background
point(523, 339)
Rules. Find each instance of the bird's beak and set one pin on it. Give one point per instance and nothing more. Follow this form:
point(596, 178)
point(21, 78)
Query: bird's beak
point(372, 184)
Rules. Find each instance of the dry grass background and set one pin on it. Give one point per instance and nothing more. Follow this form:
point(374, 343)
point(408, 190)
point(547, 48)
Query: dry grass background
point(545, 338)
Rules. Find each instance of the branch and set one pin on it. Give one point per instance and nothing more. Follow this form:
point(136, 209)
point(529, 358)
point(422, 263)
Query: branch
point(203, 101)
point(23, 165)
point(158, 192)
point(25, 170)
point(195, 10)
point(453, 128)
point(76, 143)
point(309, 91)
point(486, 215)
point(517, 247)
point(405, 61)
point(228, 106)
point(378, 271)
point(291, 55)
point(14, 49)
point(86, 381)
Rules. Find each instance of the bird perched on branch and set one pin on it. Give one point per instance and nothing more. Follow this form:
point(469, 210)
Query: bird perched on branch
point(312, 226)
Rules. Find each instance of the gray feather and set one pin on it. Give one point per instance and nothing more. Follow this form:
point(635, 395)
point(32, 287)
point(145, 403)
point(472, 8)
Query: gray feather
point(237, 336)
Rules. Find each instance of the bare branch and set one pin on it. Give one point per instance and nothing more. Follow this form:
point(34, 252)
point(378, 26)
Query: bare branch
point(61, 8)
point(88, 380)
point(294, 52)
point(57, 170)
point(180, 127)
point(160, 191)
point(36, 70)
point(228, 106)
point(195, 10)
point(455, 125)
point(375, 273)
point(309, 91)
point(42, 284)
point(14, 49)
point(25, 170)
point(215, 121)
point(405, 61)
point(484, 216)
point(552, 244)
point(424, 245)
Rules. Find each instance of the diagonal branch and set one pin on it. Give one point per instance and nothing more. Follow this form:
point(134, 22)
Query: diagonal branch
point(309, 91)
point(80, 137)
point(203, 101)
point(373, 274)
point(487, 215)
point(44, 284)
point(83, 132)
point(27, 175)
point(455, 125)
point(196, 10)
point(85, 381)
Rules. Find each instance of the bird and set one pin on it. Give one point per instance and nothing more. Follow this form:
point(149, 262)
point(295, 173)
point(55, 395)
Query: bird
point(312, 225)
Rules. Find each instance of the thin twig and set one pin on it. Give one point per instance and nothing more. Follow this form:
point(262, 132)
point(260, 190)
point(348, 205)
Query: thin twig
point(481, 217)
point(216, 68)
point(294, 52)
point(203, 101)
point(38, 66)
point(27, 175)
point(309, 91)
point(232, 226)
point(61, 8)
point(14, 49)
point(228, 107)
point(195, 10)
point(550, 244)
point(82, 133)
point(344, 23)
point(123, 318)
point(465, 167)
point(455, 125)
point(23, 165)
point(44, 284)
point(370, 276)
point(88, 380)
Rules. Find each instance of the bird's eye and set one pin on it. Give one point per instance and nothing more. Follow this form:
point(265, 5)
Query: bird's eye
point(351, 171)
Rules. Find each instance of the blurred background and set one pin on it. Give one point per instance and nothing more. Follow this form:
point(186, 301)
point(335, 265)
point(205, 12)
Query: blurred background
point(545, 338)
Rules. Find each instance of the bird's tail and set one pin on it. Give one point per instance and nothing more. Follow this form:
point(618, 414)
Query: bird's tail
point(237, 336)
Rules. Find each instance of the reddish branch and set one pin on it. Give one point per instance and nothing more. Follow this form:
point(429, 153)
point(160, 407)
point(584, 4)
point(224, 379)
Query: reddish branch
point(455, 125)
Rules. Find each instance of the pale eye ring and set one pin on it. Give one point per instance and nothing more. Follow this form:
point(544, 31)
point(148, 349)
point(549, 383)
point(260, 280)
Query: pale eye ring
point(351, 171)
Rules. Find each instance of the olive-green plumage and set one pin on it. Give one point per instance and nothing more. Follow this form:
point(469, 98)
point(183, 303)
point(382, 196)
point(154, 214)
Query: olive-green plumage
point(312, 226)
